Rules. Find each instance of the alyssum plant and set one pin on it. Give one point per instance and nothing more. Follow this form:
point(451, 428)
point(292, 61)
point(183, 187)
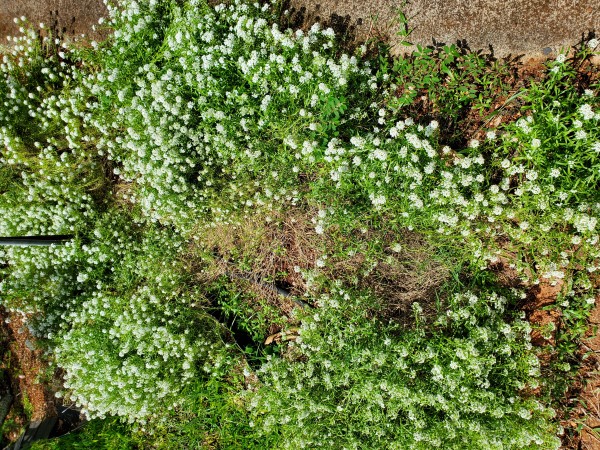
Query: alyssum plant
point(190, 116)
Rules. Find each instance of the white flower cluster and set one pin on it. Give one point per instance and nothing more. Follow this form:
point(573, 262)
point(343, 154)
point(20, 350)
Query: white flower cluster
point(131, 357)
point(131, 353)
point(195, 126)
point(403, 172)
point(348, 378)
point(198, 115)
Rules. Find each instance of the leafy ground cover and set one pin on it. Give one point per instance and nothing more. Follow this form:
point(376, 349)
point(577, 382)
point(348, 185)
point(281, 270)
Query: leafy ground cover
point(282, 240)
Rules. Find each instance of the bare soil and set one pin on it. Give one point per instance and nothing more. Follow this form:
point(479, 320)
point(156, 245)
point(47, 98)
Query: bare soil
point(540, 297)
point(581, 419)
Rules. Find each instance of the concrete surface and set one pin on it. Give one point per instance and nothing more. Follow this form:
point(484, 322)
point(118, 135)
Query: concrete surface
point(74, 17)
point(535, 28)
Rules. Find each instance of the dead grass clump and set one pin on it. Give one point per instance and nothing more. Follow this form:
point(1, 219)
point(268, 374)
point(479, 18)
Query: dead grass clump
point(266, 259)
point(402, 273)
point(263, 259)
point(272, 253)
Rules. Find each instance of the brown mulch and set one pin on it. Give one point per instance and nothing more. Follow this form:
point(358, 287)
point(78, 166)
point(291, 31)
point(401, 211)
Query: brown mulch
point(27, 371)
point(540, 297)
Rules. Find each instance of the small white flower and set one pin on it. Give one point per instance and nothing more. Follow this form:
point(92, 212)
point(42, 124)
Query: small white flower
point(531, 175)
point(593, 43)
point(379, 154)
point(561, 58)
point(323, 87)
point(473, 143)
point(329, 32)
point(377, 200)
point(357, 141)
point(586, 111)
point(535, 143)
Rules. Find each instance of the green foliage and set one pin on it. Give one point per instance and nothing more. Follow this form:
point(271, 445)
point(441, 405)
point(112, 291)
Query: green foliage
point(98, 434)
point(448, 83)
point(10, 426)
point(214, 100)
point(352, 381)
point(191, 117)
point(213, 415)
point(244, 310)
point(575, 304)
point(133, 343)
